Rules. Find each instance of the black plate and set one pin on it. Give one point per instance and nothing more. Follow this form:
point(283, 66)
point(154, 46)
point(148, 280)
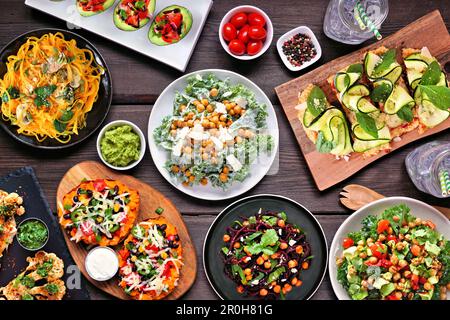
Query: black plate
point(95, 117)
point(296, 213)
point(13, 262)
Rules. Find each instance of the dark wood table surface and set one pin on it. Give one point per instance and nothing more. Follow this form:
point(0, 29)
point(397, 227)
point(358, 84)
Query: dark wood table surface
point(139, 80)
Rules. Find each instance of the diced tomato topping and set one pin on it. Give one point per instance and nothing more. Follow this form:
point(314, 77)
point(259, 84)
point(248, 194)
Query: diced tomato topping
point(430, 224)
point(391, 237)
point(93, 5)
point(124, 254)
point(152, 248)
point(86, 228)
point(422, 280)
point(392, 297)
point(99, 185)
point(385, 263)
point(414, 279)
point(167, 268)
point(348, 242)
point(383, 225)
point(133, 21)
point(378, 250)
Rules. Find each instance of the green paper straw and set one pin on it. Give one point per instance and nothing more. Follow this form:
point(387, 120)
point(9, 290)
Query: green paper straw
point(444, 179)
point(365, 19)
point(358, 19)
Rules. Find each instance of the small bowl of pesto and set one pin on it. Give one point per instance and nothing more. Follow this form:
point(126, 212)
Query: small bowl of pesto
point(121, 145)
point(32, 234)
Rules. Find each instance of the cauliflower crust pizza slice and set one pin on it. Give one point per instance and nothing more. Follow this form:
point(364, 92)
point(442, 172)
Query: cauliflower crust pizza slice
point(99, 212)
point(150, 260)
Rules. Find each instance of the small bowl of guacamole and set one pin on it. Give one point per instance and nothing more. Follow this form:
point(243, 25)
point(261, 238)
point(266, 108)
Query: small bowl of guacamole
point(32, 234)
point(121, 145)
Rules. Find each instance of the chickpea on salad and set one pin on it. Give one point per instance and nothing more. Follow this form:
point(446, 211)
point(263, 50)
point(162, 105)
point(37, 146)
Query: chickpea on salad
point(214, 134)
point(395, 256)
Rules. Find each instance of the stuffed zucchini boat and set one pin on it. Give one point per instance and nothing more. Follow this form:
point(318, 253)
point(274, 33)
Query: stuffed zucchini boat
point(170, 25)
point(430, 86)
point(88, 8)
point(324, 124)
point(131, 15)
point(390, 90)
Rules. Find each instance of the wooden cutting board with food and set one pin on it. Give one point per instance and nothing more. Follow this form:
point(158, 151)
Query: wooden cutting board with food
point(390, 93)
point(101, 208)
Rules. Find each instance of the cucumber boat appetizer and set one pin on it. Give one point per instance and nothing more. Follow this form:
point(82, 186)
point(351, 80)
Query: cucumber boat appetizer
point(369, 130)
point(88, 8)
point(430, 86)
point(131, 15)
point(324, 124)
point(170, 25)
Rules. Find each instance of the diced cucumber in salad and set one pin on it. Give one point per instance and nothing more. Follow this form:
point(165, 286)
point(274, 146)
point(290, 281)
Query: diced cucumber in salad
point(217, 130)
point(395, 256)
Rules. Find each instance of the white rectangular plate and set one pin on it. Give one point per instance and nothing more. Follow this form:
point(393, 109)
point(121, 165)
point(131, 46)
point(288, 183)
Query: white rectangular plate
point(176, 55)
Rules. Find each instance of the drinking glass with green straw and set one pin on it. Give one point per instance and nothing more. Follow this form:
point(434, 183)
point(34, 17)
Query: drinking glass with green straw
point(445, 182)
point(364, 19)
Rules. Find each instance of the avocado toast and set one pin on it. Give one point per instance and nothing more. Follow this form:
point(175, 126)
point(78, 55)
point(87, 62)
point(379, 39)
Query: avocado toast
point(170, 25)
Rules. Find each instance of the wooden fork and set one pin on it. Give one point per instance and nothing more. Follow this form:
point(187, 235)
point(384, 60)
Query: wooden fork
point(355, 196)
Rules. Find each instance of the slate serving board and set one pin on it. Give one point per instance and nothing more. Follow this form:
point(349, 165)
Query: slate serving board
point(25, 183)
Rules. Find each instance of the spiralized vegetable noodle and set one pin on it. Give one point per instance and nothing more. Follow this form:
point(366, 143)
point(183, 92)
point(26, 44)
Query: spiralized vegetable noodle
point(49, 87)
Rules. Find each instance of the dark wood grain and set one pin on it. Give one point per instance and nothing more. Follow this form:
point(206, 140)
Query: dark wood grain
point(129, 69)
point(139, 80)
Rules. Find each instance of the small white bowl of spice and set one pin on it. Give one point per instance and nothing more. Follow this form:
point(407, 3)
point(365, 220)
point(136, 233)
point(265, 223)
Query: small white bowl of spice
point(299, 48)
point(121, 145)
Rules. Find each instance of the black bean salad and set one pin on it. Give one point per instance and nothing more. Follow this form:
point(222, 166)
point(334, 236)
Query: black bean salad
point(264, 255)
point(299, 49)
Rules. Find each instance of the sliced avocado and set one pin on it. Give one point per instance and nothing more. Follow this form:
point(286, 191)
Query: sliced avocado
point(185, 25)
point(431, 116)
point(121, 24)
point(106, 5)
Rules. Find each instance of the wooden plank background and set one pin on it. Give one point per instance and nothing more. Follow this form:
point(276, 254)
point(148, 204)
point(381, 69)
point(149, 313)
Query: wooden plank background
point(139, 80)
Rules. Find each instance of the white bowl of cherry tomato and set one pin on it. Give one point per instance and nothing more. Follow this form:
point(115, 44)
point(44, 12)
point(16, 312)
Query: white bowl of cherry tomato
point(246, 32)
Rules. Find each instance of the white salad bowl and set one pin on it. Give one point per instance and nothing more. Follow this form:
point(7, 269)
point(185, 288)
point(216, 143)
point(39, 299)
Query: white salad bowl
point(303, 30)
point(136, 129)
point(418, 209)
point(247, 9)
point(164, 107)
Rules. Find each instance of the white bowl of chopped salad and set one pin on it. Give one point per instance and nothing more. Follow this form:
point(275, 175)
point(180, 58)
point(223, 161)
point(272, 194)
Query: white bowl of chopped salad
point(213, 134)
point(395, 248)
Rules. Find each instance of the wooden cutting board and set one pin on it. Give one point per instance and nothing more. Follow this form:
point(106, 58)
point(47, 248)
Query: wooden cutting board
point(150, 200)
point(429, 31)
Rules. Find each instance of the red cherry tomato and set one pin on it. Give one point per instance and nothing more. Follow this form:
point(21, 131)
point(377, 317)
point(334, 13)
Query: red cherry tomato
point(237, 47)
point(255, 19)
point(383, 225)
point(239, 20)
point(254, 46)
point(348, 242)
point(243, 34)
point(257, 32)
point(229, 32)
